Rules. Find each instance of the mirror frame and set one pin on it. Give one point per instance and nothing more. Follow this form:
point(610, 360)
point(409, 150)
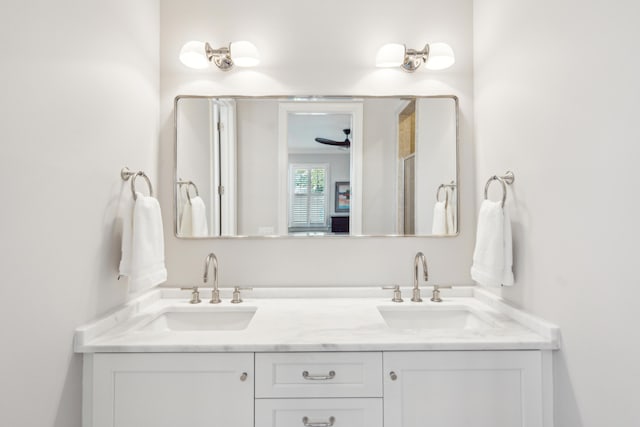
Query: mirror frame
point(299, 98)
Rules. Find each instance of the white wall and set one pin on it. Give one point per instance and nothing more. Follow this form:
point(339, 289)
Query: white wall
point(435, 156)
point(380, 164)
point(557, 98)
point(195, 116)
point(79, 102)
point(300, 56)
point(257, 125)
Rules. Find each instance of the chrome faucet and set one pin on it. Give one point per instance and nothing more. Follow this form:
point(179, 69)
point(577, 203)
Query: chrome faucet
point(416, 289)
point(215, 295)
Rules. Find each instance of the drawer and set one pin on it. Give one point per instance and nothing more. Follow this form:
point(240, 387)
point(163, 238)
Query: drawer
point(322, 374)
point(318, 412)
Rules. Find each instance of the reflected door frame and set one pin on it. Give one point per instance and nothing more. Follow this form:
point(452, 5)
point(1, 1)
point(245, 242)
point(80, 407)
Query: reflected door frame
point(355, 109)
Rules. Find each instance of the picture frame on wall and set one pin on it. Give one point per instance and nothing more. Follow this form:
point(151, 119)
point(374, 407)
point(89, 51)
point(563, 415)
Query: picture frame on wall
point(343, 196)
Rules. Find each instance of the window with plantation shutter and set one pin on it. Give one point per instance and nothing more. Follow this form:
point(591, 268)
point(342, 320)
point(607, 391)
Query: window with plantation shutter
point(308, 196)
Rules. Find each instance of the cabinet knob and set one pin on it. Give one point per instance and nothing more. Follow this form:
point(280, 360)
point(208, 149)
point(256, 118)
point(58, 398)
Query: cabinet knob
point(393, 376)
point(244, 376)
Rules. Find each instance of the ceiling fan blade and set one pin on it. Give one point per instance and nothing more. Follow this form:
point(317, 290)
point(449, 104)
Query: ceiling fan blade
point(345, 143)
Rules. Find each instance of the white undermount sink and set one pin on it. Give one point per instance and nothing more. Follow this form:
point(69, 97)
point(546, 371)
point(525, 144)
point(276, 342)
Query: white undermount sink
point(219, 319)
point(429, 317)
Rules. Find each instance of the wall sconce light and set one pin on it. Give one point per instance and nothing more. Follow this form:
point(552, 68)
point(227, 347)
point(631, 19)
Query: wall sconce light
point(200, 55)
point(435, 56)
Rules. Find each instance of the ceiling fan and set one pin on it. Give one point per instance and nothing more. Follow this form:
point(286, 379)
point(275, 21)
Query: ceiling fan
point(345, 143)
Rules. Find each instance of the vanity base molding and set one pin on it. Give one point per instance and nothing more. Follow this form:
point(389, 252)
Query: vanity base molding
point(394, 389)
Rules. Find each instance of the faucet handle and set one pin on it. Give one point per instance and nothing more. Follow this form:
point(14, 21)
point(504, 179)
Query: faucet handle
point(436, 292)
point(397, 294)
point(195, 295)
point(236, 294)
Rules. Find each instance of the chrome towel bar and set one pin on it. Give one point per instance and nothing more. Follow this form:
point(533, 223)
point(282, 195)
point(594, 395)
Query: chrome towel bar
point(126, 174)
point(189, 184)
point(504, 180)
point(451, 186)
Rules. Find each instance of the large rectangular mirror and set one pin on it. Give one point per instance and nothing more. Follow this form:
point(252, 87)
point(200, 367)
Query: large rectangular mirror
point(316, 166)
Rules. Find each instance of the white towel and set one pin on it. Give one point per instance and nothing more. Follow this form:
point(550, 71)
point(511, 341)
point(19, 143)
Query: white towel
point(194, 219)
point(439, 227)
point(143, 244)
point(451, 216)
point(493, 257)
point(443, 219)
point(450, 219)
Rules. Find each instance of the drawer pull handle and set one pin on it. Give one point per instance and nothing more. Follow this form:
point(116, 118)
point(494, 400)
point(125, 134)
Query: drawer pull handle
point(307, 423)
point(306, 376)
point(393, 376)
point(244, 376)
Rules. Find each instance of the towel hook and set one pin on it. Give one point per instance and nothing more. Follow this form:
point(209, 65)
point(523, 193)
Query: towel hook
point(126, 174)
point(504, 180)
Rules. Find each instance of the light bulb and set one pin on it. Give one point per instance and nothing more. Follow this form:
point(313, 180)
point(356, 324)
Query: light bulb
point(390, 55)
point(440, 56)
point(244, 54)
point(193, 55)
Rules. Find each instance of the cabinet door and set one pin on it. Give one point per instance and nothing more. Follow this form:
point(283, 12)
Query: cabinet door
point(169, 390)
point(463, 388)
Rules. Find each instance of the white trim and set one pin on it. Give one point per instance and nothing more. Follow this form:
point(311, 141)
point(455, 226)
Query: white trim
point(356, 111)
point(420, 227)
point(229, 169)
point(215, 210)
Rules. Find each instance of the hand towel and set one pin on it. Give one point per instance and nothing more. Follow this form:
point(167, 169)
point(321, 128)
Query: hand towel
point(194, 219)
point(186, 220)
point(450, 214)
point(493, 257)
point(143, 244)
point(439, 227)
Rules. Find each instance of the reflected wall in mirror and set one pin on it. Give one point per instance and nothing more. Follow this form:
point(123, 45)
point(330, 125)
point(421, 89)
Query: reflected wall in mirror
point(256, 166)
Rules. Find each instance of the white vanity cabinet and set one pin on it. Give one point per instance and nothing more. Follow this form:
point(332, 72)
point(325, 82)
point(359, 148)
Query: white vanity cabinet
point(319, 389)
point(466, 388)
point(168, 389)
point(316, 362)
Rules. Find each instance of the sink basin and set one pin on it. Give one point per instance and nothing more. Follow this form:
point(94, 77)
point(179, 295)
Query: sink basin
point(220, 319)
point(433, 318)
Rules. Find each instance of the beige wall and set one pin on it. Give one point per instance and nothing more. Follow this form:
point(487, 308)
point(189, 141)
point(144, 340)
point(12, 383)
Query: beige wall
point(79, 102)
point(557, 98)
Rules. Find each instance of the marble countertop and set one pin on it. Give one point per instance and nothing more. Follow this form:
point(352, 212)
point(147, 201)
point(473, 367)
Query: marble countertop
point(316, 319)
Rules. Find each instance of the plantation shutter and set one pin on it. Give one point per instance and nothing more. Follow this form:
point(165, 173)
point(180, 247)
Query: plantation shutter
point(308, 196)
